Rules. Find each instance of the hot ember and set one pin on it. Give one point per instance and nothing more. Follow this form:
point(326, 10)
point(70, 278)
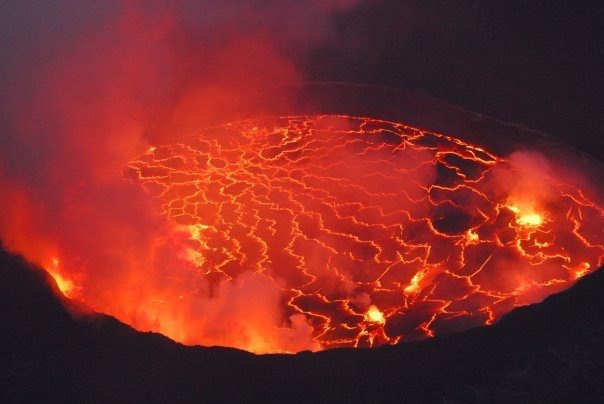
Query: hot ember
point(363, 232)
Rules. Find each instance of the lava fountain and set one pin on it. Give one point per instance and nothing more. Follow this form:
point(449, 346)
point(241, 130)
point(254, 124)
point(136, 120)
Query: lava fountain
point(359, 232)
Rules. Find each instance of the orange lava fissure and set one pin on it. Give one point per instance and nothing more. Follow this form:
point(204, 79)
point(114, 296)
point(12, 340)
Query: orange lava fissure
point(371, 232)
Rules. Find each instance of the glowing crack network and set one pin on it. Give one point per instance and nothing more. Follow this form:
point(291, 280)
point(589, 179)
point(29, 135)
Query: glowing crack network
point(375, 232)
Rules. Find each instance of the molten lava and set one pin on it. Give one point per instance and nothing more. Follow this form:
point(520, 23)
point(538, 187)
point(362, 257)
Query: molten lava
point(66, 285)
point(367, 232)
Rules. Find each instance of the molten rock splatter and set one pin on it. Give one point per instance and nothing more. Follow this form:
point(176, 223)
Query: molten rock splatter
point(363, 232)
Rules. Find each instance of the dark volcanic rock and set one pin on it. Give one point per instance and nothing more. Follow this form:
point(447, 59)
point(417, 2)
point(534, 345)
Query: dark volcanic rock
point(549, 352)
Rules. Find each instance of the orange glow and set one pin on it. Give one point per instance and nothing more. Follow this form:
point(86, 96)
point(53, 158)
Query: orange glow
point(532, 219)
point(375, 315)
point(314, 232)
point(472, 237)
point(414, 284)
point(66, 286)
point(314, 204)
point(526, 217)
point(581, 269)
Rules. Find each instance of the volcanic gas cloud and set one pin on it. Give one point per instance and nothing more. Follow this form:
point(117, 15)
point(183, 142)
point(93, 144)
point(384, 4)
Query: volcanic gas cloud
point(328, 231)
point(269, 235)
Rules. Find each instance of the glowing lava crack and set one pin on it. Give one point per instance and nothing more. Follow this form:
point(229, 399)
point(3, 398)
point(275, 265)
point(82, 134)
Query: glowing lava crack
point(372, 232)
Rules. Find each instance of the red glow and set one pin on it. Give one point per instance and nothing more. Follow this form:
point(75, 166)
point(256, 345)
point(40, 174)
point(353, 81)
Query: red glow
point(311, 232)
point(268, 235)
point(363, 232)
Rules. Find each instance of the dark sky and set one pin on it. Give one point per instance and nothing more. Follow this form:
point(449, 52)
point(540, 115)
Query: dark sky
point(538, 63)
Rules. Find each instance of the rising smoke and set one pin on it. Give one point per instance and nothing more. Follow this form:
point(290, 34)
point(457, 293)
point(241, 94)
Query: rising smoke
point(90, 85)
